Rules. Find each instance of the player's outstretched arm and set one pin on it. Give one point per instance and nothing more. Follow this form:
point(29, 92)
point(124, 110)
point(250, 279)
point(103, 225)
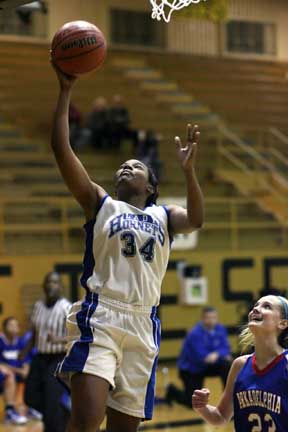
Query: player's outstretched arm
point(87, 193)
point(222, 413)
point(181, 220)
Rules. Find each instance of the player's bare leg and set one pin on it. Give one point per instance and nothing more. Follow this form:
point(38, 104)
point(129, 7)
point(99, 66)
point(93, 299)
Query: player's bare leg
point(120, 422)
point(89, 396)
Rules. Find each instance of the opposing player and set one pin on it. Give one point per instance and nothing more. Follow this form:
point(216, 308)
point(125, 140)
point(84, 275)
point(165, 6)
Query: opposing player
point(257, 387)
point(114, 332)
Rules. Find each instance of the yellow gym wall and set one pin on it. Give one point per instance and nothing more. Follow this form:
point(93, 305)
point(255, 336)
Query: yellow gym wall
point(96, 11)
point(191, 36)
point(22, 286)
point(268, 11)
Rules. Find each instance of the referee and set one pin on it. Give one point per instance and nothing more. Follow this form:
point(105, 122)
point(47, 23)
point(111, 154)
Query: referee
point(43, 392)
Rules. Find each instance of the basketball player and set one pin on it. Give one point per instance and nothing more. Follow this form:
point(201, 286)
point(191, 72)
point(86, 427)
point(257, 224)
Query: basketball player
point(257, 386)
point(114, 332)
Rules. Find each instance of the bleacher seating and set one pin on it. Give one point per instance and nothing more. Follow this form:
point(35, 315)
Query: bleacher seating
point(163, 96)
point(242, 92)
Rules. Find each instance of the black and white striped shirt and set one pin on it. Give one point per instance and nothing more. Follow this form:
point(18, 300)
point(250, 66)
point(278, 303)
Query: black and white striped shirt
point(50, 320)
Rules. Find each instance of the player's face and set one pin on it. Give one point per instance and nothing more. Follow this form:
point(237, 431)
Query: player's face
point(266, 314)
point(52, 286)
point(132, 174)
point(12, 328)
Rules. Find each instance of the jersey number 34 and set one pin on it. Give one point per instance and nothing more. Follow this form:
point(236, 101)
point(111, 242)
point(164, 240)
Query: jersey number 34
point(130, 248)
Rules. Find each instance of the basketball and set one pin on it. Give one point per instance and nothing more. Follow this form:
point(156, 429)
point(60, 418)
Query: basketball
point(78, 47)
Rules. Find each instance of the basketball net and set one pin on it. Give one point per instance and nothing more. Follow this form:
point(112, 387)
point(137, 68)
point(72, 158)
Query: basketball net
point(162, 9)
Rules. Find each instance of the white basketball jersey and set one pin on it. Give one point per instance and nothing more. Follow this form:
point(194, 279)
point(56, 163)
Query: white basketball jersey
point(127, 252)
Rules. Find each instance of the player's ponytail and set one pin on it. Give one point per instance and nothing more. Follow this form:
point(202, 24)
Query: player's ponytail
point(152, 199)
point(283, 337)
point(246, 339)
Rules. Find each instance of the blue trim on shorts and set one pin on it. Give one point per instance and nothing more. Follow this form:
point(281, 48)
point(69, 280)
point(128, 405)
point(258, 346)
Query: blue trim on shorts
point(89, 261)
point(150, 392)
point(77, 357)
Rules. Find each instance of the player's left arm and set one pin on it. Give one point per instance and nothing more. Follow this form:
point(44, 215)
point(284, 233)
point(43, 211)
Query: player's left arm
point(222, 413)
point(187, 220)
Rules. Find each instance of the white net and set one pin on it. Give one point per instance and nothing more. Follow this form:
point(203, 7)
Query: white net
point(162, 9)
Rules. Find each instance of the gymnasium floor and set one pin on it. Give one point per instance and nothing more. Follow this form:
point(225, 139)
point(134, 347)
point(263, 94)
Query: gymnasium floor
point(168, 419)
point(165, 419)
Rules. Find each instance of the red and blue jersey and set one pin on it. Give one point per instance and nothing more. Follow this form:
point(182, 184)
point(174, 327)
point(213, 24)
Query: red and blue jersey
point(261, 396)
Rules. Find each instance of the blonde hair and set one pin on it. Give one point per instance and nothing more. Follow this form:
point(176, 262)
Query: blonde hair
point(246, 337)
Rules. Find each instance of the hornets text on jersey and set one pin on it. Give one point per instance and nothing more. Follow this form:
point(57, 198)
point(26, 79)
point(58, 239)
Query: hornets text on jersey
point(127, 251)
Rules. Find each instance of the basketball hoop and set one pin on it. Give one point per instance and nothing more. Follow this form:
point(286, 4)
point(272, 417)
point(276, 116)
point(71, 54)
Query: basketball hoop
point(162, 9)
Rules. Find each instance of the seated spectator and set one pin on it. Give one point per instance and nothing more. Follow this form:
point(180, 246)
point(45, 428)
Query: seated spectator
point(13, 371)
point(205, 352)
point(147, 150)
point(98, 124)
point(120, 123)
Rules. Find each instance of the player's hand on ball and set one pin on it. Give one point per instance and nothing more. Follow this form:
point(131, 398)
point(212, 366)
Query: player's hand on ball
point(200, 398)
point(187, 152)
point(65, 81)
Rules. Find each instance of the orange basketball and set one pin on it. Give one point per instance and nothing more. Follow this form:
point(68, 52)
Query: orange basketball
point(78, 47)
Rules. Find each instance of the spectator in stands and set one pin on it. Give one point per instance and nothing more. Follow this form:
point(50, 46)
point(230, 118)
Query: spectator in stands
point(13, 371)
point(147, 150)
point(75, 119)
point(120, 123)
point(205, 352)
point(98, 123)
point(43, 392)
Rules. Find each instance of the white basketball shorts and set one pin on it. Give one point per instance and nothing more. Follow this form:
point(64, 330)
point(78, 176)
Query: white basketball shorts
point(118, 342)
